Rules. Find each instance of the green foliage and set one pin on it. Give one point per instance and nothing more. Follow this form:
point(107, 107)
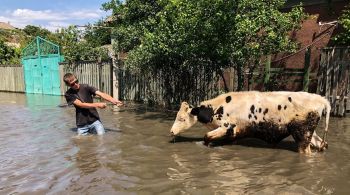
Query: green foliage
point(97, 36)
point(343, 39)
point(75, 44)
point(76, 49)
point(34, 31)
point(8, 55)
point(185, 34)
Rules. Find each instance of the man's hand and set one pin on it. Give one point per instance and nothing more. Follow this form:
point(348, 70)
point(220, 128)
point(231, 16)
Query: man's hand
point(116, 102)
point(100, 105)
point(109, 98)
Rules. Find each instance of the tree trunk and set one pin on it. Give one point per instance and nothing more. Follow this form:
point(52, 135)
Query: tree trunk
point(221, 73)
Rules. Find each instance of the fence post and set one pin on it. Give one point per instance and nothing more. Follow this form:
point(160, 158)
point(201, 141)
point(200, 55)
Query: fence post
point(306, 79)
point(267, 71)
point(99, 65)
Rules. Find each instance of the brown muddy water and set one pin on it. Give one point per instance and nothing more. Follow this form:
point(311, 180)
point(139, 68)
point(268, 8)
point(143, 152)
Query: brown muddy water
point(40, 154)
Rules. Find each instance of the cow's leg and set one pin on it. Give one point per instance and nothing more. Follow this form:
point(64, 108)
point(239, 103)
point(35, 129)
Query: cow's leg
point(225, 129)
point(303, 138)
point(303, 130)
point(317, 142)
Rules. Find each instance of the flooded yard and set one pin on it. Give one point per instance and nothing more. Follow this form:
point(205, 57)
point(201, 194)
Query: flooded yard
point(41, 154)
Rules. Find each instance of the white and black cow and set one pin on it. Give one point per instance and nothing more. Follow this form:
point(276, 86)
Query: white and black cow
point(270, 116)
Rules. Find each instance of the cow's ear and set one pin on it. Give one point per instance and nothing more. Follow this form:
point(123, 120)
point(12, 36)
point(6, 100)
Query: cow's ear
point(195, 111)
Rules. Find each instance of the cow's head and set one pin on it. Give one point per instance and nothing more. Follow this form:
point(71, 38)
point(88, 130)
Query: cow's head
point(187, 116)
point(184, 119)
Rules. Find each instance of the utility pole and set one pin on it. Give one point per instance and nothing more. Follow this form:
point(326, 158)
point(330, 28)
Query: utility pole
point(115, 72)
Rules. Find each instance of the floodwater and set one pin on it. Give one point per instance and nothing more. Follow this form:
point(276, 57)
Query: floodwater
point(41, 154)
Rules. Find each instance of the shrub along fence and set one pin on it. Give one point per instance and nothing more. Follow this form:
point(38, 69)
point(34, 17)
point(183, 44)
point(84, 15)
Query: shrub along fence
point(12, 78)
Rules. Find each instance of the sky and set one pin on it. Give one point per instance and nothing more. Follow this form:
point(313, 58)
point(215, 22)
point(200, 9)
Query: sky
point(51, 14)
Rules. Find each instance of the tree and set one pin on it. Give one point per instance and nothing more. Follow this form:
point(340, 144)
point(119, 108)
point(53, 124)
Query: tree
point(170, 35)
point(33, 31)
point(75, 48)
point(8, 55)
point(98, 34)
point(343, 39)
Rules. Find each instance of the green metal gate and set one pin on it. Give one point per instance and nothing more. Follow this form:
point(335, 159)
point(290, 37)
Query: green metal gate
point(41, 69)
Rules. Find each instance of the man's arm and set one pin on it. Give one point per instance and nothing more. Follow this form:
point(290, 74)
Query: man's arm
point(108, 98)
point(80, 104)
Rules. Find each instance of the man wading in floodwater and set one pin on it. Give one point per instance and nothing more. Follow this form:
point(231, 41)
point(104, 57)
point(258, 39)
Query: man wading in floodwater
point(80, 95)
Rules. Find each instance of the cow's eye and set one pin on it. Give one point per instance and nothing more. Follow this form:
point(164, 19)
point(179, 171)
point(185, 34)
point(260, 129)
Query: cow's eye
point(182, 119)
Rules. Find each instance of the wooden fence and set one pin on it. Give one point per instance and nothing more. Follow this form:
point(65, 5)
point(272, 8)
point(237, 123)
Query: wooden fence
point(97, 74)
point(267, 78)
point(333, 78)
point(163, 88)
point(12, 78)
point(193, 86)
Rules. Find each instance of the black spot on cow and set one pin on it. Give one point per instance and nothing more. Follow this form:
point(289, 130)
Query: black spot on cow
point(279, 120)
point(289, 99)
point(266, 111)
point(264, 119)
point(252, 108)
point(279, 107)
point(260, 110)
point(228, 114)
point(220, 110)
point(256, 118)
point(297, 115)
point(229, 131)
point(249, 116)
point(219, 116)
point(204, 114)
point(228, 99)
point(285, 107)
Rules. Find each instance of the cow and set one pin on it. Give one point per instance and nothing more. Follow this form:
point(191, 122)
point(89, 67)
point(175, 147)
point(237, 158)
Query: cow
point(269, 116)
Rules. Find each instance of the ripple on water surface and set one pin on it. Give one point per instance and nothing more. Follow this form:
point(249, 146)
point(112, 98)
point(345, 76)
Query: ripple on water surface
point(41, 154)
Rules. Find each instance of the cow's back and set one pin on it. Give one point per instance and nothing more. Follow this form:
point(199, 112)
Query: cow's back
point(281, 107)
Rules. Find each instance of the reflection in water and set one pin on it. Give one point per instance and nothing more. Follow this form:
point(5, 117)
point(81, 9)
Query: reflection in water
point(40, 154)
point(39, 101)
point(182, 172)
point(86, 158)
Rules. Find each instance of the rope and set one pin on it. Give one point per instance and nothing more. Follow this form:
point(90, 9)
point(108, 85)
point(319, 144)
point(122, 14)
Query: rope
point(307, 46)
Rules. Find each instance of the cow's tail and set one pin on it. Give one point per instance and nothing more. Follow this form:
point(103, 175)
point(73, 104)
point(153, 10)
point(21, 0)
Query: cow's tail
point(328, 113)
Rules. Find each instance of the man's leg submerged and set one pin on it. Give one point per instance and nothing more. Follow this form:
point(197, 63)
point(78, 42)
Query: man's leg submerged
point(97, 125)
point(83, 130)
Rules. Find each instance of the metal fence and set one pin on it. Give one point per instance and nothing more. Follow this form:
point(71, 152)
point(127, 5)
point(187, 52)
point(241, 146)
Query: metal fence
point(12, 78)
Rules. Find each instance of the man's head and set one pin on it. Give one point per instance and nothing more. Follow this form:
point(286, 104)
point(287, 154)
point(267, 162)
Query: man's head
point(71, 81)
